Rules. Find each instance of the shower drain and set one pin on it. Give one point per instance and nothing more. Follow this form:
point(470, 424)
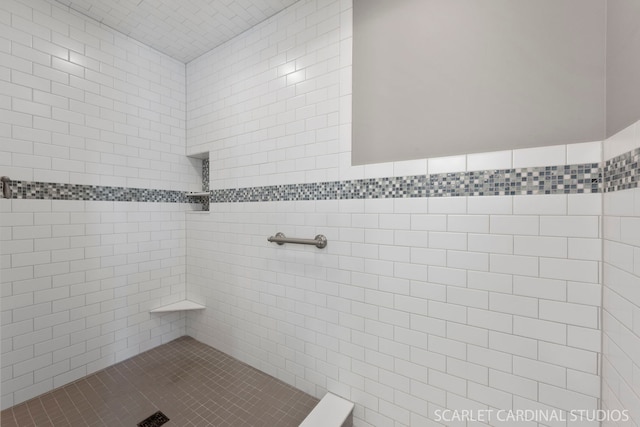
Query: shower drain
point(154, 420)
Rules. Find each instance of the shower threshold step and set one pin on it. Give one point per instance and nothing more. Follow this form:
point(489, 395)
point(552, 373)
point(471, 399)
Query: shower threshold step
point(179, 306)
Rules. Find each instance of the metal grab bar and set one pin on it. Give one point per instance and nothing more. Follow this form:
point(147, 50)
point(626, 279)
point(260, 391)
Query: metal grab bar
point(6, 187)
point(319, 241)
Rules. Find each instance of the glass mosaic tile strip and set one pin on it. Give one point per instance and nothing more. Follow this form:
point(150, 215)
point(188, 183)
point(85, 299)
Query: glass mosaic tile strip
point(565, 179)
point(205, 175)
point(58, 191)
point(205, 183)
point(618, 173)
point(622, 172)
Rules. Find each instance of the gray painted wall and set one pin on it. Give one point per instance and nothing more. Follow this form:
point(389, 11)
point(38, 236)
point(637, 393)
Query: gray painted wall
point(440, 77)
point(623, 64)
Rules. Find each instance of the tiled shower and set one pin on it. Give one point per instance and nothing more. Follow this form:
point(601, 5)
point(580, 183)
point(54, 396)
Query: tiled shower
point(505, 280)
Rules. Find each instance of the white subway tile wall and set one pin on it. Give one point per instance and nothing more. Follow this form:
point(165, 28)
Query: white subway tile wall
point(83, 104)
point(621, 291)
point(78, 281)
point(88, 105)
point(415, 304)
point(273, 105)
point(411, 312)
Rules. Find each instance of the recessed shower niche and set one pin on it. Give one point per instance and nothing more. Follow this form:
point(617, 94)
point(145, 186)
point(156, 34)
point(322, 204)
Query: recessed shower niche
point(204, 195)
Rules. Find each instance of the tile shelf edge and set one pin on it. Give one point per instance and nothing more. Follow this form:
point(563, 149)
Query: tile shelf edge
point(197, 193)
point(178, 306)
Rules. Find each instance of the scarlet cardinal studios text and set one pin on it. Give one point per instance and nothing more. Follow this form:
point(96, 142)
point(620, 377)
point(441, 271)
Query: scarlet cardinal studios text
point(528, 415)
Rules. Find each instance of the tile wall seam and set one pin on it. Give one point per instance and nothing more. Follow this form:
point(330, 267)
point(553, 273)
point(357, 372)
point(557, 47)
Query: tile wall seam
point(604, 163)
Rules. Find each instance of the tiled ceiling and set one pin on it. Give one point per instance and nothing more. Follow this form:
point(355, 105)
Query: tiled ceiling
point(182, 29)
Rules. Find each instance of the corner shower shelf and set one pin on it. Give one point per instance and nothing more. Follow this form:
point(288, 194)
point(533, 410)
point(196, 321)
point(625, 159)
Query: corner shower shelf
point(179, 306)
point(197, 193)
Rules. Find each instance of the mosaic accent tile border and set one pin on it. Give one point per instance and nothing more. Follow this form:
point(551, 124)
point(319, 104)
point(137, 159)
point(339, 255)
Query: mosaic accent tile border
point(205, 175)
point(58, 191)
point(622, 172)
point(566, 179)
point(205, 184)
point(619, 173)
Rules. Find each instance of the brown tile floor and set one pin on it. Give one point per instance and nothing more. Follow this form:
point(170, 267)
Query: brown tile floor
point(190, 382)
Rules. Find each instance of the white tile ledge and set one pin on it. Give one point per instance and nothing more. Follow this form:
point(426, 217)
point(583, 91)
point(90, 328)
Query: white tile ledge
point(331, 411)
point(179, 306)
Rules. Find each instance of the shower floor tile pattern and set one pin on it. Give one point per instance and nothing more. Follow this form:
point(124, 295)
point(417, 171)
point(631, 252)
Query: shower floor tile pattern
point(191, 383)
